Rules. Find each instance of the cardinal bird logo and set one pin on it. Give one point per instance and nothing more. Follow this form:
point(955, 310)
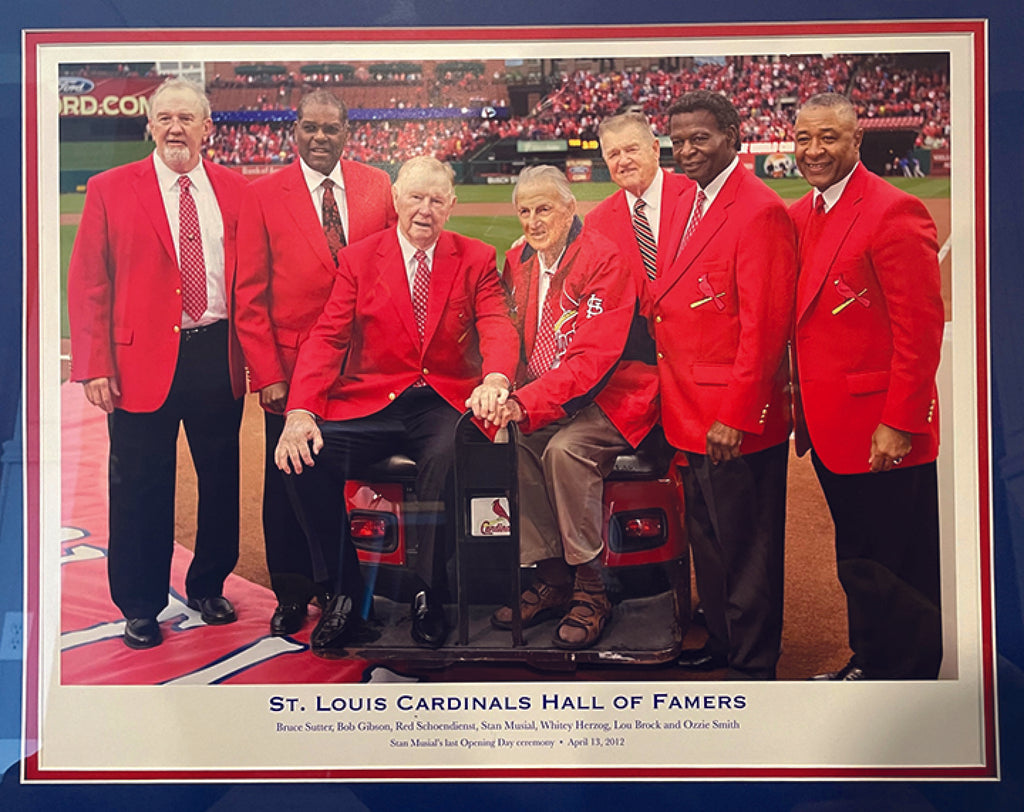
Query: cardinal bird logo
point(499, 510)
point(849, 296)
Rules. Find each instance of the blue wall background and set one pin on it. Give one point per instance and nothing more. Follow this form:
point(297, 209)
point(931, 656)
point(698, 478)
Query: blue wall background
point(1006, 127)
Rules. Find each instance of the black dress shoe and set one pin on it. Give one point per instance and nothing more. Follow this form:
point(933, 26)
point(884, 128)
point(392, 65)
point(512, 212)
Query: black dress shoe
point(701, 659)
point(215, 611)
point(335, 620)
point(142, 632)
point(287, 618)
point(848, 673)
point(429, 627)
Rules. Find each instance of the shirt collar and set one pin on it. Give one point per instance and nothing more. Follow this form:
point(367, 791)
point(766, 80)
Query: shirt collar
point(833, 192)
point(314, 177)
point(409, 250)
point(712, 189)
point(651, 195)
point(167, 178)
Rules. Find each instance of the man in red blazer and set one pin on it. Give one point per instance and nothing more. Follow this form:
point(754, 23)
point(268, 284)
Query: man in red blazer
point(415, 325)
point(722, 310)
point(286, 266)
point(573, 299)
point(869, 322)
point(633, 156)
point(152, 341)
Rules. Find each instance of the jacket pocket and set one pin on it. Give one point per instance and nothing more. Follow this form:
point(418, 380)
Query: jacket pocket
point(712, 374)
point(123, 335)
point(866, 383)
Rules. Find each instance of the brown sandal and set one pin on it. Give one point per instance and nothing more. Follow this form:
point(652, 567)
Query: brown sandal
point(538, 602)
point(588, 611)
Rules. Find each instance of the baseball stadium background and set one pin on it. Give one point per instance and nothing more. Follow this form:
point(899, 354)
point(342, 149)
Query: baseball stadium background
point(488, 119)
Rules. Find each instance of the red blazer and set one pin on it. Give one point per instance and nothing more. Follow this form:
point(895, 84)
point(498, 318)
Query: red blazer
point(630, 398)
point(364, 350)
point(873, 361)
point(124, 299)
point(285, 269)
point(725, 359)
point(597, 299)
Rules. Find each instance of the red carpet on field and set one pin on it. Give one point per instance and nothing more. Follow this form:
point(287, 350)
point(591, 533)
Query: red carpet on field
point(192, 652)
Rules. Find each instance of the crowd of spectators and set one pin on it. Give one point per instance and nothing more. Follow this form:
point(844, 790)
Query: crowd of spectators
point(767, 91)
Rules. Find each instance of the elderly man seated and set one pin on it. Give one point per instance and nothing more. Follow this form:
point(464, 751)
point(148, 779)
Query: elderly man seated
point(415, 325)
point(573, 300)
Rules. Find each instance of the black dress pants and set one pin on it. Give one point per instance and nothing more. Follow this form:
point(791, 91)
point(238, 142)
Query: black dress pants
point(887, 558)
point(287, 551)
point(143, 462)
point(736, 524)
point(420, 424)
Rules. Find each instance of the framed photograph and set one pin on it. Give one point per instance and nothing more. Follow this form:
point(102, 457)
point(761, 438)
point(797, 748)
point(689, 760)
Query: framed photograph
point(451, 92)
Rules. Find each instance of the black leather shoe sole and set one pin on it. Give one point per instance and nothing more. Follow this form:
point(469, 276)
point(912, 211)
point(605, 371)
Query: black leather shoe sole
point(142, 633)
point(331, 631)
point(429, 627)
point(287, 619)
point(701, 660)
point(215, 611)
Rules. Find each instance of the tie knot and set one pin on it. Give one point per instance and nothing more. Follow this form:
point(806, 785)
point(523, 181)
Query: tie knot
point(420, 256)
point(639, 206)
point(184, 182)
point(819, 204)
point(701, 197)
point(328, 184)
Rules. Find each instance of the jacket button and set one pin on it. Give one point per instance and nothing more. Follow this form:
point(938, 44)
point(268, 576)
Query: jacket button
point(426, 371)
point(661, 356)
point(391, 395)
point(177, 291)
point(657, 319)
point(176, 328)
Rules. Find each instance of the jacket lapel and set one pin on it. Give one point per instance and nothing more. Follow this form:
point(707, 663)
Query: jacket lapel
point(674, 215)
point(393, 276)
point(838, 224)
point(715, 217)
point(442, 275)
point(299, 204)
point(151, 201)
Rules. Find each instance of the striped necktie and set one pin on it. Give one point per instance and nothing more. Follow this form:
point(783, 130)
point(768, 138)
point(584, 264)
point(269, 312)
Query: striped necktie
point(645, 239)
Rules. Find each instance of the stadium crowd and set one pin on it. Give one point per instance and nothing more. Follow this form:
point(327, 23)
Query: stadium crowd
point(765, 90)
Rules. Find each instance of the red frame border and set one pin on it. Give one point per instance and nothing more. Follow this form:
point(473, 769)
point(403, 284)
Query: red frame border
point(33, 39)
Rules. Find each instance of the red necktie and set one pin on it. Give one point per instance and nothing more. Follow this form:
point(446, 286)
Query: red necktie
point(420, 290)
point(545, 347)
point(813, 228)
point(645, 239)
point(190, 250)
point(698, 214)
point(333, 229)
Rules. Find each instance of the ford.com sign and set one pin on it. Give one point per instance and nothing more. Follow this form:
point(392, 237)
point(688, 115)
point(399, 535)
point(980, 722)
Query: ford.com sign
point(74, 85)
point(118, 96)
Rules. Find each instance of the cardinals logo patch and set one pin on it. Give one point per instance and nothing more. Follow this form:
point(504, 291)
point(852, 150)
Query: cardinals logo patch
point(489, 516)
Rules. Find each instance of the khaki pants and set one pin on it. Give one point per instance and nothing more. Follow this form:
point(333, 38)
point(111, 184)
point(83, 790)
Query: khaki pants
point(562, 468)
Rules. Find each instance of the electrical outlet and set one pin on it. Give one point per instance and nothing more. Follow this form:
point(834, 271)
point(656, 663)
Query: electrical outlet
point(13, 636)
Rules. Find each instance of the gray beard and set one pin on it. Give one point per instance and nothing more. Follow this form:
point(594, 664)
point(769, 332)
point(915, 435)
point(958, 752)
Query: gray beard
point(176, 155)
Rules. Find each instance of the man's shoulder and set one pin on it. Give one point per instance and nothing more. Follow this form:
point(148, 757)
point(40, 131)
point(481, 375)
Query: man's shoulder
point(221, 174)
point(592, 242)
point(276, 179)
point(364, 173)
point(605, 210)
point(125, 173)
point(469, 247)
point(675, 183)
